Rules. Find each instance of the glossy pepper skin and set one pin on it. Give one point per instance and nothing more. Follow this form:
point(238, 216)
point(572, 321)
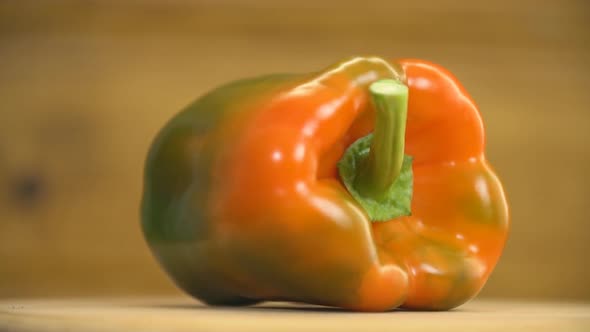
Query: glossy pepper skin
point(243, 202)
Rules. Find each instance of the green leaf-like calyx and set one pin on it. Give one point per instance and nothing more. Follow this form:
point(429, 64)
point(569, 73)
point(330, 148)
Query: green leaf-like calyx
point(396, 202)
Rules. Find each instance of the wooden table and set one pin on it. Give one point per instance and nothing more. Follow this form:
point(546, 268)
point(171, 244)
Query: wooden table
point(183, 314)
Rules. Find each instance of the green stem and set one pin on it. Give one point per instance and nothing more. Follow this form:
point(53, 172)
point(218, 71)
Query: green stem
point(381, 168)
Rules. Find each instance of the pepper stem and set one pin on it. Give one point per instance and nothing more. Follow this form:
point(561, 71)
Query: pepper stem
point(382, 166)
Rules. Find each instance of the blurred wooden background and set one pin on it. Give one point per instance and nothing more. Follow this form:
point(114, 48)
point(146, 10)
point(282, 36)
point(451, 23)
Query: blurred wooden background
point(84, 86)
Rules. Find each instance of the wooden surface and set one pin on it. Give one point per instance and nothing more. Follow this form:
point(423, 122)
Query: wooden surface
point(85, 85)
point(181, 314)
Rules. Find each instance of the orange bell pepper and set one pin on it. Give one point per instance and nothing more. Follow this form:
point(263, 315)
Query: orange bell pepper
point(296, 187)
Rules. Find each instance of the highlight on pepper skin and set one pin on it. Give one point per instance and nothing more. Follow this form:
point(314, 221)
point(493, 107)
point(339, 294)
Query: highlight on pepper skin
point(363, 186)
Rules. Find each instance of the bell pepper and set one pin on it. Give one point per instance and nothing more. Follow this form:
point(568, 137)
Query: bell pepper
point(363, 186)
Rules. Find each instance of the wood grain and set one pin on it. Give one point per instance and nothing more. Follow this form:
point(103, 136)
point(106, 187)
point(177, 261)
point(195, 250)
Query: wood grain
point(181, 314)
point(86, 85)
